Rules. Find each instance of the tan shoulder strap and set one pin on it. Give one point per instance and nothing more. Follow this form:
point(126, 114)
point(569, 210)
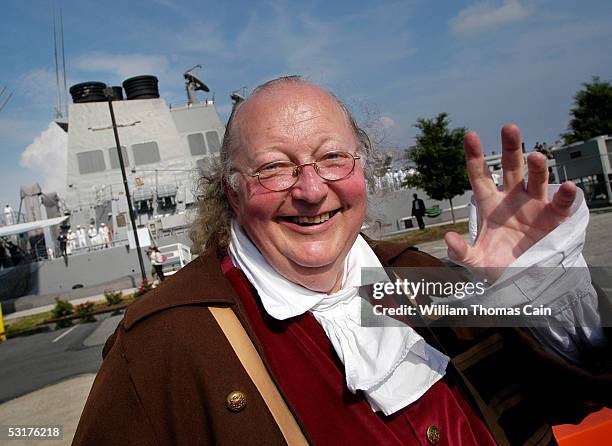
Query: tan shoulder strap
point(249, 357)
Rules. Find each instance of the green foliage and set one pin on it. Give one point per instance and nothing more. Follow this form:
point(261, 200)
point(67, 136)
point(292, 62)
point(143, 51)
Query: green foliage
point(84, 310)
point(439, 158)
point(144, 288)
point(113, 297)
point(592, 112)
point(62, 308)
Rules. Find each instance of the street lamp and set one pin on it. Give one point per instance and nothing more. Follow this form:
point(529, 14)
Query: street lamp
point(108, 93)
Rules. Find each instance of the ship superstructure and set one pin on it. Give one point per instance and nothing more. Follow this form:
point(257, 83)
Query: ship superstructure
point(163, 149)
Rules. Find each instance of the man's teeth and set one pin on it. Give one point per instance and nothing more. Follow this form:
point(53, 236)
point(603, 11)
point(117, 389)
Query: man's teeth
point(312, 220)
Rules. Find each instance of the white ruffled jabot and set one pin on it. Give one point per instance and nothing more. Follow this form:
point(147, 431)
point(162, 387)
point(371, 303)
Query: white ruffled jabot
point(392, 365)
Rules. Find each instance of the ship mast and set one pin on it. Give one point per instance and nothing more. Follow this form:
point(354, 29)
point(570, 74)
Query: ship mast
point(64, 64)
point(59, 107)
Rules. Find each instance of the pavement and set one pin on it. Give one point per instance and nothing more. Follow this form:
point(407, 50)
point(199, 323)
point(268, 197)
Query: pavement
point(45, 378)
point(30, 362)
point(60, 403)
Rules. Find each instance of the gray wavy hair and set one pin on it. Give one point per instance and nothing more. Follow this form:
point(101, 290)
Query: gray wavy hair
point(211, 227)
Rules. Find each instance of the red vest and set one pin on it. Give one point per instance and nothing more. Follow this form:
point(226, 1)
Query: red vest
point(305, 365)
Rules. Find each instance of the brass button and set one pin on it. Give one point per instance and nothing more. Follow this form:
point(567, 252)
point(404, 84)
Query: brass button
point(236, 401)
point(433, 434)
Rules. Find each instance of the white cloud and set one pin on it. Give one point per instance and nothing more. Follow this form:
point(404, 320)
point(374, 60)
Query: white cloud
point(387, 122)
point(46, 158)
point(486, 15)
point(122, 65)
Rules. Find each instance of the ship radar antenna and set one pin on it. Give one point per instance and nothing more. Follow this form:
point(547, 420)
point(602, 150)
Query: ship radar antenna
point(193, 84)
point(237, 96)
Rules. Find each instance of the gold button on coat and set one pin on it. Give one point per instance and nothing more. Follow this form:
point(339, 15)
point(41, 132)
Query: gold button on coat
point(236, 401)
point(433, 434)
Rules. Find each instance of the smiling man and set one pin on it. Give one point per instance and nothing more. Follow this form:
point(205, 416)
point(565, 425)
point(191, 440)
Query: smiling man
point(258, 341)
point(293, 138)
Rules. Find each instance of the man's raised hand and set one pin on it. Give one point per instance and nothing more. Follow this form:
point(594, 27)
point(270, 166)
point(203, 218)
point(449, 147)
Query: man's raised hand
point(515, 218)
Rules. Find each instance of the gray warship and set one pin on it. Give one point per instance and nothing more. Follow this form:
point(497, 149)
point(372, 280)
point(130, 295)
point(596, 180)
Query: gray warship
point(164, 148)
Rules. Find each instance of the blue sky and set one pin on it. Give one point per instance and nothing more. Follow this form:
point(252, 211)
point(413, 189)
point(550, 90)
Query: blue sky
point(484, 62)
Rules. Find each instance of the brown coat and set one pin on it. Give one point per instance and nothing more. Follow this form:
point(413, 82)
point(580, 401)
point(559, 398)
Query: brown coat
point(168, 369)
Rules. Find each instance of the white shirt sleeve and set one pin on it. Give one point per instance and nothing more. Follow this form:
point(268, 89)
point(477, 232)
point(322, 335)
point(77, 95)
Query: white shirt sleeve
point(553, 273)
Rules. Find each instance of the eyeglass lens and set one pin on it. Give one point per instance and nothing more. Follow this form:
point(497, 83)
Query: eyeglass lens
point(282, 175)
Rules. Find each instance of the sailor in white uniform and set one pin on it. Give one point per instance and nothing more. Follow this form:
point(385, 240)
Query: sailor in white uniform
point(104, 234)
point(81, 237)
point(71, 236)
point(92, 233)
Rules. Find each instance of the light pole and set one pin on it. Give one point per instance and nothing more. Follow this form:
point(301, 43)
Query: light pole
point(108, 92)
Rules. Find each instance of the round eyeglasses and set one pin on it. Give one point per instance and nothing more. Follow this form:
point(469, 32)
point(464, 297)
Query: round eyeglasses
point(278, 176)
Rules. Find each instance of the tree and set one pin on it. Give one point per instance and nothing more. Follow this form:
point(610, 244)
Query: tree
point(440, 162)
point(592, 112)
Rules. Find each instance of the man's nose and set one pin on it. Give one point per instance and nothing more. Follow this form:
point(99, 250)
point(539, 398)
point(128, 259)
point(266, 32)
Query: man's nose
point(310, 187)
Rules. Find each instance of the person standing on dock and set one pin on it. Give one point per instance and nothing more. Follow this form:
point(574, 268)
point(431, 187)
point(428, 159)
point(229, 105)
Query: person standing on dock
point(157, 261)
point(63, 242)
point(418, 210)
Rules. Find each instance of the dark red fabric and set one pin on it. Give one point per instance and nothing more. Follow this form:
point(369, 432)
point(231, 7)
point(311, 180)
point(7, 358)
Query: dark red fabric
point(307, 368)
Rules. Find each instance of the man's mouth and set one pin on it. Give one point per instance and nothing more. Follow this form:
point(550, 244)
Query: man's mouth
point(315, 220)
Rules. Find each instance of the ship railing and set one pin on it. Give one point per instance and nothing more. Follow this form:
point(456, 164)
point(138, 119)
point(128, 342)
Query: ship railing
point(76, 250)
point(205, 103)
point(176, 256)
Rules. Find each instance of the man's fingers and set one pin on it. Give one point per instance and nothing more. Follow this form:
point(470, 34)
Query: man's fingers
point(512, 157)
point(537, 181)
point(458, 250)
point(478, 171)
point(564, 198)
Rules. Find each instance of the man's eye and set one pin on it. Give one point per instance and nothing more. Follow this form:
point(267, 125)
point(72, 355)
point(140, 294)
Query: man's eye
point(332, 156)
point(273, 166)
point(276, 167)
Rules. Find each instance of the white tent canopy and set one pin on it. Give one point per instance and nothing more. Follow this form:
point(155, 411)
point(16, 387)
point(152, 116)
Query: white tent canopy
point(20, 228)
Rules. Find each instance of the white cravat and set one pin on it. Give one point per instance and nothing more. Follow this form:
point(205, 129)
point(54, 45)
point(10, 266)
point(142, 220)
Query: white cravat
point(392, 365)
